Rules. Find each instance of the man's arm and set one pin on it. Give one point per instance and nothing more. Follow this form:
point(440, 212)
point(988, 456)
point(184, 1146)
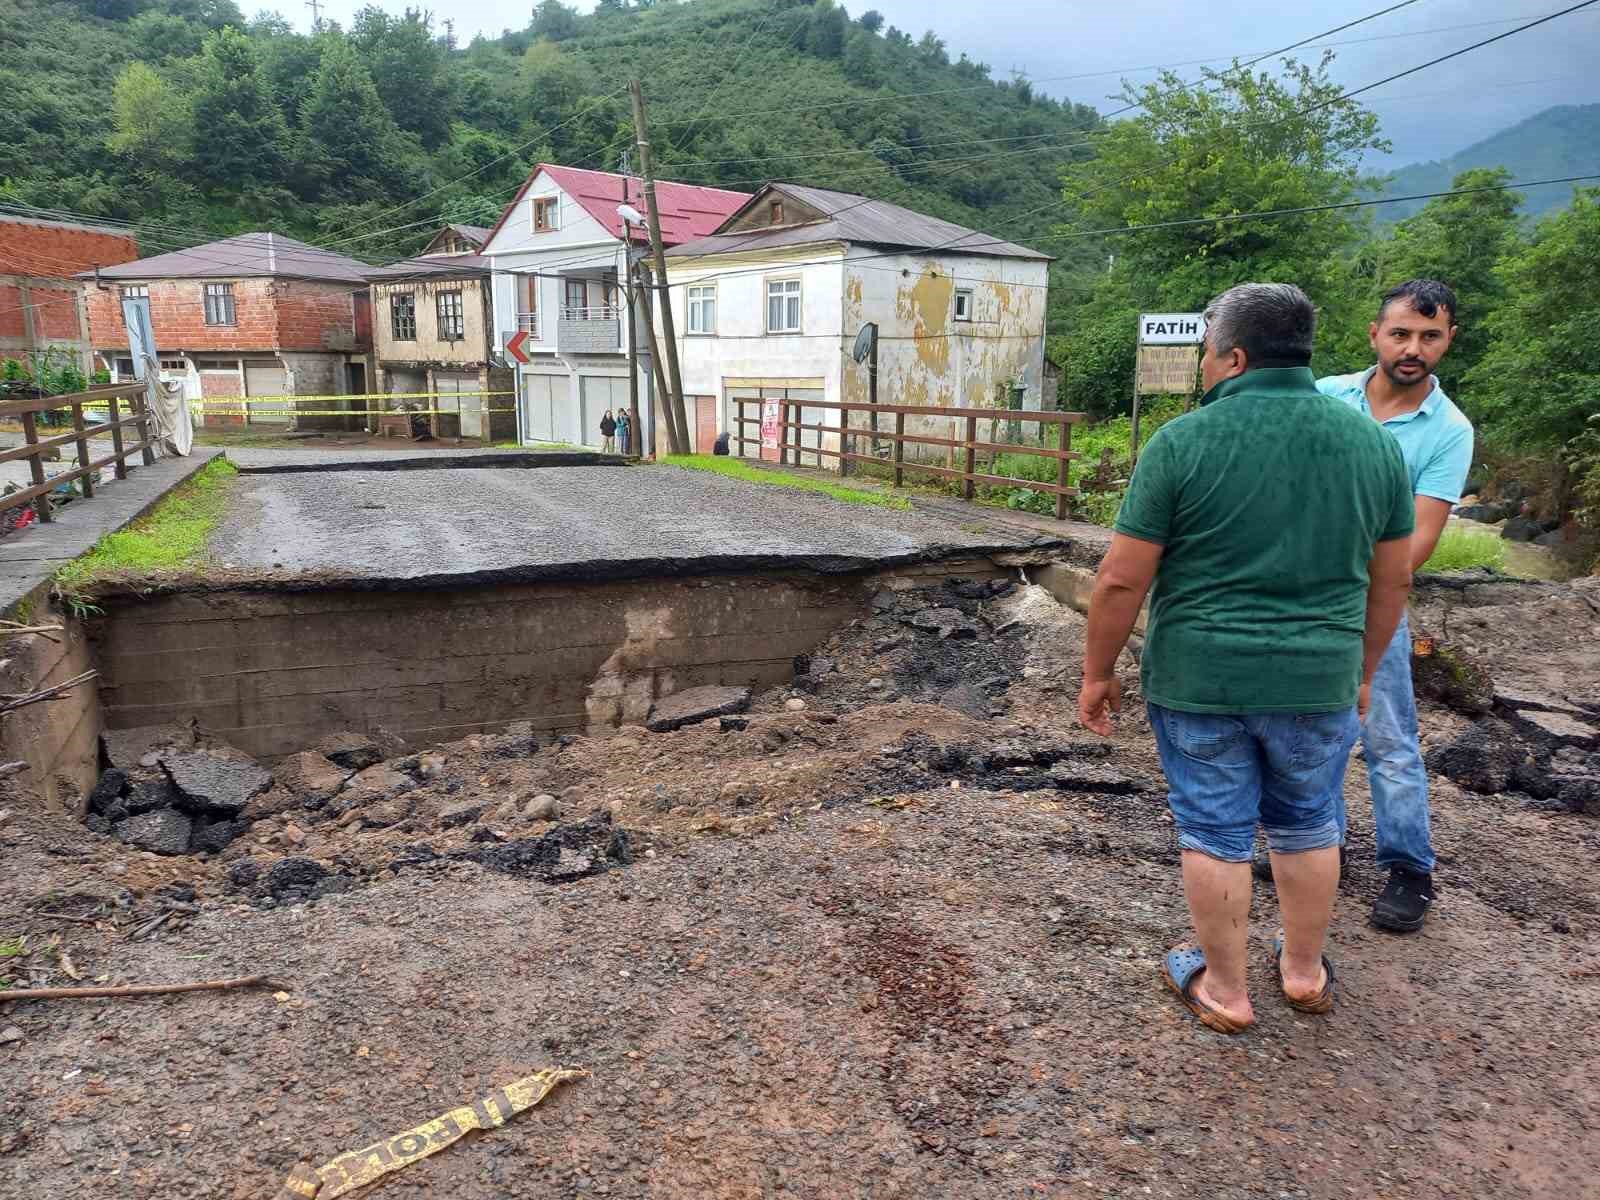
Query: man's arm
point(1388, 582)
point(1120, 587)
point(1431, 516)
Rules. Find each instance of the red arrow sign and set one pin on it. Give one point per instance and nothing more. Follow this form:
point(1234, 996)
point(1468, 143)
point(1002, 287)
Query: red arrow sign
point(514, 346)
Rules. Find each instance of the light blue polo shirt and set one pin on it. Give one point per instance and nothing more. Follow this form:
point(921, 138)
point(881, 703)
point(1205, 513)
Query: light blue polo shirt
point(1435, 441)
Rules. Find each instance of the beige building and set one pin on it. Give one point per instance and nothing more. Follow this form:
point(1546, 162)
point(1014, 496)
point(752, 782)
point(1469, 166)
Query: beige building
point(433, 343)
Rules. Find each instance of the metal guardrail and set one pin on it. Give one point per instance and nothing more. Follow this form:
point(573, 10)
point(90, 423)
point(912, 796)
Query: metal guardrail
point(600, 312)
point(35, 448)
point(528, 322)
point(970, 444)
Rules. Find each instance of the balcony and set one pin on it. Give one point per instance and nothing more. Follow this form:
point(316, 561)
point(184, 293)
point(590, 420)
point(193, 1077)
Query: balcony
point(528, 323)
point(591, 330)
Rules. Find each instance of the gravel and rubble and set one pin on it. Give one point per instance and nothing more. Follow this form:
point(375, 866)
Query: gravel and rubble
point(891, 931)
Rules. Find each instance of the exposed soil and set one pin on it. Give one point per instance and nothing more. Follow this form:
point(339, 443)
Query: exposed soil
point(901, 941)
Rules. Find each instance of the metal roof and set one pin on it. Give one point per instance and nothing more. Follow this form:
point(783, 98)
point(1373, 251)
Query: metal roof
point(476, 234)
point(432, 266)
point(241, 256)
point(855, 219)
point(687, 211)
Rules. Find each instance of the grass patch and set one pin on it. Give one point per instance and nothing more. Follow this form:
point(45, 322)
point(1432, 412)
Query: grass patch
point(12, 947)
point(172, 537)
point(734, 468)
point(1464, 549)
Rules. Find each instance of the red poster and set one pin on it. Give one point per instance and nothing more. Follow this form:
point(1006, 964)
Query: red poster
point(769, 428)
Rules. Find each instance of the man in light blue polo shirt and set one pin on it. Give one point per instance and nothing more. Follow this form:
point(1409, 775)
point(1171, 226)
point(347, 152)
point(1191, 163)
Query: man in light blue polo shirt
point(1414, 329)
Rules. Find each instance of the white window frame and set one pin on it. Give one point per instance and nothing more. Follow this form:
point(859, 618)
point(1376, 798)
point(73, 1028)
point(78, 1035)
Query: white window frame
point(555, 214)
point(135, 291)
point(701, 297)
point(217, 302)
point(790, 291)
point(963, 304)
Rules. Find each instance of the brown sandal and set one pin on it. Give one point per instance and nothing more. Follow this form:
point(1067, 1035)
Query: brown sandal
point(1322, 1002)
point(1180, 969)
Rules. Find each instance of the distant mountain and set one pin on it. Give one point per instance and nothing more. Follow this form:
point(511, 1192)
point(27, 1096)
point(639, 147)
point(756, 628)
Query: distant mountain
point(1558, 141)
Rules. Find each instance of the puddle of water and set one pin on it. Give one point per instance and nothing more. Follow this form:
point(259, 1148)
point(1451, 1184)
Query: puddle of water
point(1524, 560)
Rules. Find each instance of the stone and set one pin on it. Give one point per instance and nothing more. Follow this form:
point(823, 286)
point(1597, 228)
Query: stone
point(355, 751)
point(1092, 777)
point(382, 813)
point(543, 808)
point(294, 878)
point(270, 803)
point(212, 837)
point(1450, 676)
point(209, 782)
point(293, 835)
point(794, 704)
point(463, 812)
point(1559, 727)
point(1552, 540)
point(310, 773)
point(733, 724)
point(430, 766)
point(380, 780)
point(164, 831)
point(10, 1034)
point(1521, 529)
point(1580, 793)
point(1517, 699)
point(506, 812)
point(694, 705)
point(243, 873)
point(946, 622)
point(126, 749)
point(1481, 758)
point(147, 795)
point(112, 785)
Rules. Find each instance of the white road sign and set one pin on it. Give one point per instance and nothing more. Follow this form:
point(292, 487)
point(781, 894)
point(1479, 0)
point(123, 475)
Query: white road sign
point(1172, 329)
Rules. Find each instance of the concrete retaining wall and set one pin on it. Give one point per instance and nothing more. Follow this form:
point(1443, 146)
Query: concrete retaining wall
point(272, 672)
point(59, 739)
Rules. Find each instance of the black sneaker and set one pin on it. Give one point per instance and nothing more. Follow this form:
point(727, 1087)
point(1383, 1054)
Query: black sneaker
point(1261, 865)
point(1403, 906)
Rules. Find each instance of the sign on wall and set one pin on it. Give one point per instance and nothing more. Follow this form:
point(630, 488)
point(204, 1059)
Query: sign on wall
point(769, 424)
point(1172, 329)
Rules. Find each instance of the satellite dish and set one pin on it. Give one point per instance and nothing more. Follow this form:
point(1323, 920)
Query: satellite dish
point(865, 340)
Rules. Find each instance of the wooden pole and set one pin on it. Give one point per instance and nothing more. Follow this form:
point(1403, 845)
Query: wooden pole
point(972, 455)
point(1063, 447)
point(1133, 432)
point(678, 422)
point(120, 467)
point(633, 355)
point(899, 449)
point(30, 435)
point(87, 480)
point(146, 989)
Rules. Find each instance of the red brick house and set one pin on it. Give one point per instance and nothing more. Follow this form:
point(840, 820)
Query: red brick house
point(41, 305)
point(254, 315)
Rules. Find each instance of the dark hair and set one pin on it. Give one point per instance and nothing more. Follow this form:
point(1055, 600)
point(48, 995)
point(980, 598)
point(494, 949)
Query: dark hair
point(1427, 296)
point(1273, 323)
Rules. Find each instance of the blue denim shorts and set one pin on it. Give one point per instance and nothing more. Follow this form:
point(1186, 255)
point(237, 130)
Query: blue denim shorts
point(1227, 773)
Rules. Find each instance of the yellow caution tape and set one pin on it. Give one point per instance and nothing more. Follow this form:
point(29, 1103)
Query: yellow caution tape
point(357, 1168)
point(286, 413)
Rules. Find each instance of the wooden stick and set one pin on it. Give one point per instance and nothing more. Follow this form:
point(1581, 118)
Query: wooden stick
point(141, 989)
point(12, 629)
point(49, 693)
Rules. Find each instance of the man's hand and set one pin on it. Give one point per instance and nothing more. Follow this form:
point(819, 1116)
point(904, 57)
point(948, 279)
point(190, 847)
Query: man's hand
point(1364, 700)
point(1099, 699)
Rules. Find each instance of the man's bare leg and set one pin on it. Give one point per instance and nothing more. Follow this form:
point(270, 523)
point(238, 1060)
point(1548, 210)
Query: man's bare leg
point(1307, 883)
point(1219, 905)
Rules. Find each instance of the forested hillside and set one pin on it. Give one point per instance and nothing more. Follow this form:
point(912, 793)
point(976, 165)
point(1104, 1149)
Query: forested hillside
point(184, 115)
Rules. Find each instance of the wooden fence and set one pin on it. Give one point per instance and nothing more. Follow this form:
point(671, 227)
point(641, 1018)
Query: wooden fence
point(970, 445)
point(35, 447)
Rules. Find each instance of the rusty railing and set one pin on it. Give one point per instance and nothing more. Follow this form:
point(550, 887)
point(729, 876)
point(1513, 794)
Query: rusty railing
point(34, 447)
point(970, 445)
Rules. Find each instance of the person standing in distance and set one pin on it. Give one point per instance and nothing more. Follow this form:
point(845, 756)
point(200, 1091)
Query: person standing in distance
point(1274, 523)
point(1415, 326)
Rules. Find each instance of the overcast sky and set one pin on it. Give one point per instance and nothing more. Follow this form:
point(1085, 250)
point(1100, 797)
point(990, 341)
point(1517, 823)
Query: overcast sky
point(1428, 115)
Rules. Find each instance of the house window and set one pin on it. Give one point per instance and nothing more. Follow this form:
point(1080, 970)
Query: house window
point(703, 309)
point(544, 213)
point(577, 297)
point(136, 291)
point(451, 326)
point(403, 316)
point(219, 304)
point(783, 306)
point(963, 304)
point(775, 213)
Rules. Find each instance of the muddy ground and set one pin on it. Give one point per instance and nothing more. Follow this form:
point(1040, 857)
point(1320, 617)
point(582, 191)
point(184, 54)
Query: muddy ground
point(903, 941)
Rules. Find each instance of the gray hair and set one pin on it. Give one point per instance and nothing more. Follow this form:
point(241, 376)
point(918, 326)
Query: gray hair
point(1273, 323)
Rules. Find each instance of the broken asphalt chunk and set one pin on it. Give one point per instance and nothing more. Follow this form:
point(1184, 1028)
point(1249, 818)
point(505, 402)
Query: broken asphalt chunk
point(695, 705)
point(209, 782)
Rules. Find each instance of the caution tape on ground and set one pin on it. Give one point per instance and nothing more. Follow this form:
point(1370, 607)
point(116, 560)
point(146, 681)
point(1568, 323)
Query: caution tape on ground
point(357, 1168)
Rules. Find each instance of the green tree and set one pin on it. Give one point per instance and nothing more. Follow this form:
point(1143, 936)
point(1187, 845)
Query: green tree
point(241, 135)
point(871, 20)
point(1243, 143)
point(160, 35)
point(1461, 240)
point(861, 61)
point(554, 20)
point(826, 32)
point(408, 69)
point(349, 143)
point(151, 121)
point(1537, 385)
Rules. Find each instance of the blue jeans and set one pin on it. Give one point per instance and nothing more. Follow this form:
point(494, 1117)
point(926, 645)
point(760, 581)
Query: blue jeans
point(1226, 774)
point(1398, 779)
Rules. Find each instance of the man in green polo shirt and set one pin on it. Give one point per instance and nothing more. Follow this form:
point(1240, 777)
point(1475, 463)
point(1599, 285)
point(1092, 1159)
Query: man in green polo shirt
point(1274, 523)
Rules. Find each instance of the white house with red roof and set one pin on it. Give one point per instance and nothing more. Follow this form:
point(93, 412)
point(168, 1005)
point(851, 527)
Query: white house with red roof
point(560, 258)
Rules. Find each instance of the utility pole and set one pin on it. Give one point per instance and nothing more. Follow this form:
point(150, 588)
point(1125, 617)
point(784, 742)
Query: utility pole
point(677, 420)
point(316, 15)
point(645, 285)
point(632, 293)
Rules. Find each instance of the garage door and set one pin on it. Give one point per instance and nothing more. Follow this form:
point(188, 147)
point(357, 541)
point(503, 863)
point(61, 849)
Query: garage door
point(267, 379)
point(599, 393)
point(546, 399)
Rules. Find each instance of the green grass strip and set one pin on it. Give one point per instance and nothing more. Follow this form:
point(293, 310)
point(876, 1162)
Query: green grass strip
point(1462, 549)
point(735, 468)
point(173, 536)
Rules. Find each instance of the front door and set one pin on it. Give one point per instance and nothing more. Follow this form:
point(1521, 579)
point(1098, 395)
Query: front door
point(577, 299)
point(705, 424)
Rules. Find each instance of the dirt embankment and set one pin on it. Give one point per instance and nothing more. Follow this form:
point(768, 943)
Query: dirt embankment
point(892, 932)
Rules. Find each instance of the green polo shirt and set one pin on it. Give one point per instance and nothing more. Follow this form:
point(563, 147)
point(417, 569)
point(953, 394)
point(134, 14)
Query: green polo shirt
point(1268, 500)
